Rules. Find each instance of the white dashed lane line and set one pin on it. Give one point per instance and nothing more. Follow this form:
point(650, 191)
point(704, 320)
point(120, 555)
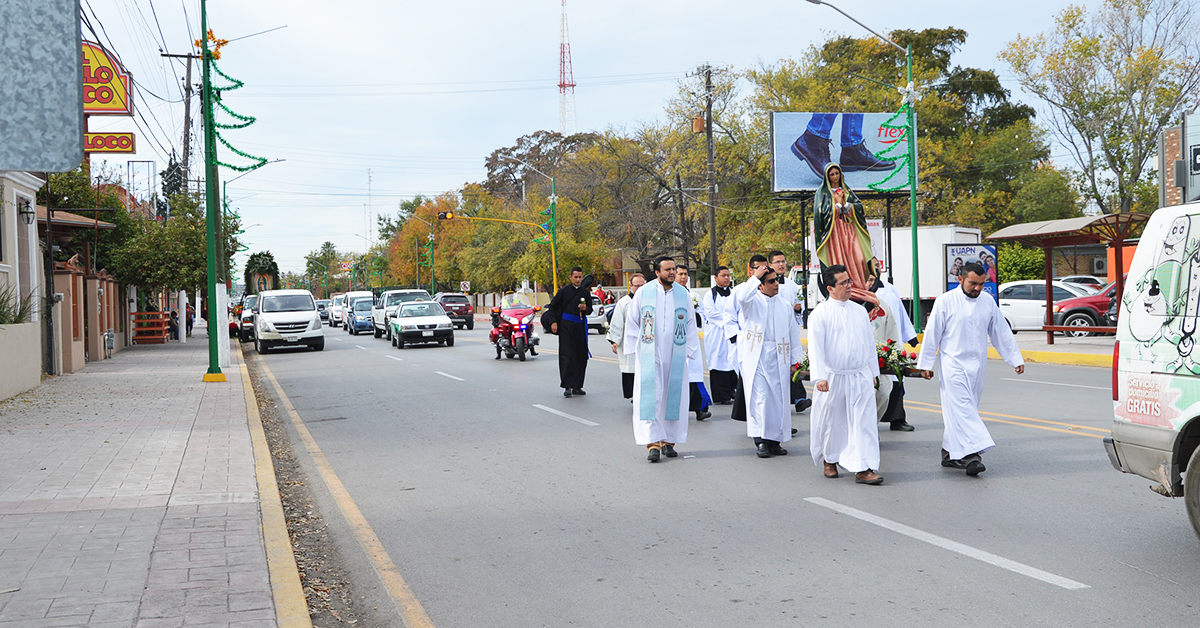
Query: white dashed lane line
point(457, 379)
point(565, 415)
point(947, 544)
point(392, 357)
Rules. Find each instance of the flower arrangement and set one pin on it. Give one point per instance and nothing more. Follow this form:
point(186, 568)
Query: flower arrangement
point(893, 359)
point(801, 372)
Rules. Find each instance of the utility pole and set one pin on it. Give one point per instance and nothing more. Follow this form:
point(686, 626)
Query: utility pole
point(682, 221)
point(711, 174)
point(187, 112)
point(211, 202)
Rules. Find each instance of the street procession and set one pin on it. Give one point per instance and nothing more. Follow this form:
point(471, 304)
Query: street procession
point(406, 315)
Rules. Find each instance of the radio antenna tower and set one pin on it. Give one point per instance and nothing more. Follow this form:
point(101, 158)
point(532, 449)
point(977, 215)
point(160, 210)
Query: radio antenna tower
point(566, 80)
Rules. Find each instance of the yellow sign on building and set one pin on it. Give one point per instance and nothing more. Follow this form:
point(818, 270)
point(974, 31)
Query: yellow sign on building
point(107, 87)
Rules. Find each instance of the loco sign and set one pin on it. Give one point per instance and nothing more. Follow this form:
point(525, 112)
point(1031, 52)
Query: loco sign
point(106, 85)
point(108, 143)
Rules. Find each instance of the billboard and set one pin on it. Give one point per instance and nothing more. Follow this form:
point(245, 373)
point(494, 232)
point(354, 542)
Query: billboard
point(803, 143)
point(106, 85)
point(109, 143)
point(959, 254)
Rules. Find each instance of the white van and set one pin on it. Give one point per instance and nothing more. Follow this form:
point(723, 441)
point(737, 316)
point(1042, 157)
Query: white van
point(1156, 363)
point(335, 309)
point(287, 318)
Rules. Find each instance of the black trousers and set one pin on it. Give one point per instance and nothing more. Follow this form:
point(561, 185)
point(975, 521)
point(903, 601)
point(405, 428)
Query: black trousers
point(695, 400)
point(724, 385)
point(572, 354)
point(895, 408)
point(798, 391)
point(739, 401)
point(627, 385)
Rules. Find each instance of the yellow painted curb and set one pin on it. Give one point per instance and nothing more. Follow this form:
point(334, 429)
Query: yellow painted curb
point(291, 609)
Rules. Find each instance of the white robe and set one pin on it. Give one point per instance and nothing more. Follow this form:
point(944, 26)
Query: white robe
point(841, 351)
point(616, 332)
point(959, 328)
point(674, 431)
point(767, 348)
point(889, 293)
point(717, 330)
point(788, 291)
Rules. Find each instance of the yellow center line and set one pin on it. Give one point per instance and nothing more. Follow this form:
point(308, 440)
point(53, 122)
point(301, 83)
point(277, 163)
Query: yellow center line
point(410, 609)
point(933, 407)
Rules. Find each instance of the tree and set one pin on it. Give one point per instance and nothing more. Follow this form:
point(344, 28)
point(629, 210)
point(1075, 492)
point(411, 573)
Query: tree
point(388, 226)
point(1016, 262)
point(173, 254)
point(1113, 80)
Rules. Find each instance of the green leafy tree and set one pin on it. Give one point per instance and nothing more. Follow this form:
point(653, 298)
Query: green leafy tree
point(1016, 262)
point(1112, 81)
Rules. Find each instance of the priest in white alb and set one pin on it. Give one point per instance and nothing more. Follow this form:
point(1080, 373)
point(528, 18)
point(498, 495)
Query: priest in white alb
point(718, 329)
point(843, 364)
point(616, 334)
point(958, 330)
point(660, 332)
point(769, 351)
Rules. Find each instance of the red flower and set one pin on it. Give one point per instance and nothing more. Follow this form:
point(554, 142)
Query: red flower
point(881, 362)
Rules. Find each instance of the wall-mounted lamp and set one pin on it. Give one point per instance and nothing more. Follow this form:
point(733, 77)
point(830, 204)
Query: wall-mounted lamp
point(27, 212)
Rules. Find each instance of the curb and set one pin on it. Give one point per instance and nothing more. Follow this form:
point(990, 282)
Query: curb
point(291, 608)
point(1044, 357)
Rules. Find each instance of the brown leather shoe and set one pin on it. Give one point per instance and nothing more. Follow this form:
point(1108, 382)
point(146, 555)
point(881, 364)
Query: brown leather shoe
point(831, 471)
point(868, 477)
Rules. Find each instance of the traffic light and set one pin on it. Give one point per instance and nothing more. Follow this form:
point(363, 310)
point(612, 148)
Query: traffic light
point(445, 215)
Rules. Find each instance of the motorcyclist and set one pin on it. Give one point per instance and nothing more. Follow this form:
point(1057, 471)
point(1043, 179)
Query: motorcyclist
point(510, 301)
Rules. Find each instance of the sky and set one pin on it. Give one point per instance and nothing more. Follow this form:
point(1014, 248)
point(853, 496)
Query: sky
point(363, 104)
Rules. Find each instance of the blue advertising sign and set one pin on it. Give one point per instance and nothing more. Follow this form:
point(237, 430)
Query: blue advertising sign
point(983, 254)
point(803, 143)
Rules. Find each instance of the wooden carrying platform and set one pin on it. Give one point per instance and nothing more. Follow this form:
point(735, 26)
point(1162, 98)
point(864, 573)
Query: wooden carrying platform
point(150, 328)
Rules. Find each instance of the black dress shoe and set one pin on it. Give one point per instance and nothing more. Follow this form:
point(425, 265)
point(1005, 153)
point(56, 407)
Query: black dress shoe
point(857, 157)
point(567, 392)
point(954, 464)
point(776, 450)
point(579, 391)
point(653, 455)
point(803, 405)
point(902, 426)
point(814, 151)
point(669, 451)
point(975, 467)
point(764, 451)
point(727, 402)
point(702, 414)
point(795, 431)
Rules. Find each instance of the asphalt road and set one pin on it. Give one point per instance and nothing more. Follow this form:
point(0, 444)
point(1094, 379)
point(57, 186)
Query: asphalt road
point(498, 512)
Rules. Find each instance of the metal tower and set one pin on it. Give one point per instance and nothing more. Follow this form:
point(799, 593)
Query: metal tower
point(566, 80)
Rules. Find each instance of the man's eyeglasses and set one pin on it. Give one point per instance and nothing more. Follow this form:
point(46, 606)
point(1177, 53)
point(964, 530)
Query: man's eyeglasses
point(845, 284)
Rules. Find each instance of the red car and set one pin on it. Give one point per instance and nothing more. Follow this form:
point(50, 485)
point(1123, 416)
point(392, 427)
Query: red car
point(458, 308)
point(1084, 312)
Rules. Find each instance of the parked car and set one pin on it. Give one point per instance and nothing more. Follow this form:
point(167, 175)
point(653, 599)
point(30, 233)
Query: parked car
point(287, 318)
point(598, 319)
point(421, 322)
point(323, 309)
point(1087, 281)
point(1084, 312)
point(358, 315)
point(247, 318)
point(1023, 303)
point(337, 303)
point(458, 307)
point(386, 305)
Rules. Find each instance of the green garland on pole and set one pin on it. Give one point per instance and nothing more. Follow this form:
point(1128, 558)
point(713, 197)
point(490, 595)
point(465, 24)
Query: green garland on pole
point(243, 121)
point(894, 153)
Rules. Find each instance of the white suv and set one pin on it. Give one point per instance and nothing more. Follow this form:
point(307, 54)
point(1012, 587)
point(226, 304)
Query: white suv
point(287, 318)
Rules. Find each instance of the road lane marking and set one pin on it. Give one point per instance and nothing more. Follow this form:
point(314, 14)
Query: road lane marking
point(450, 376)
point(953, 546)
point(1034, 381)
point(392, 357)
point(1071, 427)
point(339, 340)
point(411, 612)
point(565, 415)
point(361, 347)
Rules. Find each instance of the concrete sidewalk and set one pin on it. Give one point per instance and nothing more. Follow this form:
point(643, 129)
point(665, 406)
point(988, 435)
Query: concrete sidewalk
point(129, 497)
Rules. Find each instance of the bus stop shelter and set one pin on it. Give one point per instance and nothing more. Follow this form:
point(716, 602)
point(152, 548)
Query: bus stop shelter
point(1110, 229)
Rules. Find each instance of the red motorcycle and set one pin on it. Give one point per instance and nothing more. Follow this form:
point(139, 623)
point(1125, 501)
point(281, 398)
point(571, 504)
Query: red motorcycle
point(512, 328)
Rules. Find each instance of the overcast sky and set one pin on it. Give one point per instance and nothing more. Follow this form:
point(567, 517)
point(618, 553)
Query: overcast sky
point(420, 93)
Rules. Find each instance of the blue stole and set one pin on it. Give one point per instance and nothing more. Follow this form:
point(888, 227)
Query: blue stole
point(648, 354)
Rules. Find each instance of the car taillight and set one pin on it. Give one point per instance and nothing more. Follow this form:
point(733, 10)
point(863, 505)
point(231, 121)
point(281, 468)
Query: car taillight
point(1116, 358)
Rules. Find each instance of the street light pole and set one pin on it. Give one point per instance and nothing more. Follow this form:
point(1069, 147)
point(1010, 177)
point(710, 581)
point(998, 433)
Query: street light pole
point(551, 226)
point(911, 137)
point(214, 373)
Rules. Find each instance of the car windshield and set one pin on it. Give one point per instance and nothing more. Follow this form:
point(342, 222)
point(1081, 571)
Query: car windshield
point(250, 301)
point(337, 300)
point(514, 301)
point(404, 297)
point(414, 296)
point(288, 303)
point(362, 305)
point(420, 309)
point(455, 299)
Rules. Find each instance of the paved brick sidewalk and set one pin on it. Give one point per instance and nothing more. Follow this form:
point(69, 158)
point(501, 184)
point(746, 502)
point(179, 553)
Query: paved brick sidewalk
point(128, 497)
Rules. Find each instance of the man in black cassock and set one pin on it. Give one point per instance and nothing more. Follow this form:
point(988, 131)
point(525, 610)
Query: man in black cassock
point(572, 305)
